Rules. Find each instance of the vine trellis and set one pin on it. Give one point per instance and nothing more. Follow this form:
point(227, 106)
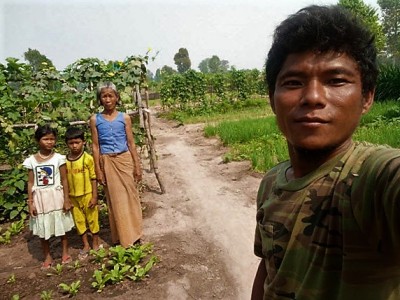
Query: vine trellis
point(143, 112)
point(30, 97)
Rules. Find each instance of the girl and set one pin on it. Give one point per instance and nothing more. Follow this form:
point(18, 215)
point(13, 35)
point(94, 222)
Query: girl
point(48, 199)
point(117, 167)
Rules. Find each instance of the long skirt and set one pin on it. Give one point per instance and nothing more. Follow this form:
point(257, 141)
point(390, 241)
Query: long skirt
point(50, 220)
point(124, 209)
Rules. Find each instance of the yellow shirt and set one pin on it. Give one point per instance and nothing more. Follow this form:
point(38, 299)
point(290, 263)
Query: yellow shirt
point(80, 173)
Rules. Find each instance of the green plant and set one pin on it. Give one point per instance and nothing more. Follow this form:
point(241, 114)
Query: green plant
point(99, 255)
point(138, 272)
point(46, 295)
point(11, 278)
point(16, 227)
point(13, 229)
point(118, 272)
point(5, 238)
point(57, 269)
point(12, 199)
point(124, 263)
point(76, 265)
point(118, 256)
point(72, 289)
point(15, 297)
point(100, 279)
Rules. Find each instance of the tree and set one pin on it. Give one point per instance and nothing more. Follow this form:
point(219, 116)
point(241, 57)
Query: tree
point(391, 27)
point(182, 60)
point(203, 66)
point(149, 75)
point(213, 65)
point(369, 16)
point(37, 60)
point(167, 70)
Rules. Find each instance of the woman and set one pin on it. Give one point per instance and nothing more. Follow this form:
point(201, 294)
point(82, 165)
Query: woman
point(117, 167)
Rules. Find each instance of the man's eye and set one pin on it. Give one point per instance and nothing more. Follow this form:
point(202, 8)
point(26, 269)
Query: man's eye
point(337, 81)
point(291, 83)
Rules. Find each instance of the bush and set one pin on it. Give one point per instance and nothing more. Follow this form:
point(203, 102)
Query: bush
point(388, 86)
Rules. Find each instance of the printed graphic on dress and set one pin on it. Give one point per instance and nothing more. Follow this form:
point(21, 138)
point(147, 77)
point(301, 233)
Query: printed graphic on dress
point(45, 175)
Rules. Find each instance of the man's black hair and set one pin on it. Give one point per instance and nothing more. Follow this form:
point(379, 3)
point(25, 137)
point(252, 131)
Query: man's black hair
point(323, 29)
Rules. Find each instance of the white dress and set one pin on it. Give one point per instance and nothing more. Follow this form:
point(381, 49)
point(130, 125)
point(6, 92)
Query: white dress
point(48, 198)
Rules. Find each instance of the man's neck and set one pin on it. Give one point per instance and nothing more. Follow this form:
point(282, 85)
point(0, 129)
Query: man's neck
point(305, 161)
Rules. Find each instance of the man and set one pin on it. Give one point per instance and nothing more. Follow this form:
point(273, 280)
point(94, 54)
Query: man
point(328, 220)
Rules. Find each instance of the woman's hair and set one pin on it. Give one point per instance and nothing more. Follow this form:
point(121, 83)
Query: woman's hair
point(74, 133)
point(323, 29)
point(106, 85)
point(43, 130)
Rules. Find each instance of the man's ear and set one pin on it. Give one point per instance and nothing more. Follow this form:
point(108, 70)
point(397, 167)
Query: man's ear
point(271, 101)
point(368, 100)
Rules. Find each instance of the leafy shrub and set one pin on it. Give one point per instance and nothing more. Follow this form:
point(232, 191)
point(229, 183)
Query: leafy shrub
point(388, 85)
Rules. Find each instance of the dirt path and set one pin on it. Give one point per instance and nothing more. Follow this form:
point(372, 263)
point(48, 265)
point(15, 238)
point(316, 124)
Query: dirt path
point(210, 207)
point(202, 229)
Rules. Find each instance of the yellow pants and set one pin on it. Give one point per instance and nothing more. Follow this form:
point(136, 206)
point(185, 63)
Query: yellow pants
point(84, 216)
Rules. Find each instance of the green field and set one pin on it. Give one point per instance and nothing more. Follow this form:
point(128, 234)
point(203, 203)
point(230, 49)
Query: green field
point(253, 134)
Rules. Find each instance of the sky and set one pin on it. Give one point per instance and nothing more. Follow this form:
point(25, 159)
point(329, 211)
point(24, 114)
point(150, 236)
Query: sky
point(238, 31)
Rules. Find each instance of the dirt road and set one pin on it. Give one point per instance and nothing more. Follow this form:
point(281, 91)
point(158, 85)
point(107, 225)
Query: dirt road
point(209, 210)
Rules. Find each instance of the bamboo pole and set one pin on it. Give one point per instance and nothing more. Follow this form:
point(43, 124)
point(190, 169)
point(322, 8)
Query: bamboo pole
point(150, 143)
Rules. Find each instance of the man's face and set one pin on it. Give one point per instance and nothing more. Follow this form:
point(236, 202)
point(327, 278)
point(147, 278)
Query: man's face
point(318, 100)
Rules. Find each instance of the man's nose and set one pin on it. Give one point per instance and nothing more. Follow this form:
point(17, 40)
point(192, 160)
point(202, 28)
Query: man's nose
point(314, 94)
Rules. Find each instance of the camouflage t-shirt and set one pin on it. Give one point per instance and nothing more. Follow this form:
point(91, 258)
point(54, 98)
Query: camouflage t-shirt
point(334, 233)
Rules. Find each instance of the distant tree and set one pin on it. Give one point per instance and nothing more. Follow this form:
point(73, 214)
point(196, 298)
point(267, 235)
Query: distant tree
point(224, 65)
point(369, 16)
point(182, 60)
point(37, 60)
point(157, 76)
point(167, 70)
point(149, 75)
point(391, 27)
point(203, 66)
point(213, 65)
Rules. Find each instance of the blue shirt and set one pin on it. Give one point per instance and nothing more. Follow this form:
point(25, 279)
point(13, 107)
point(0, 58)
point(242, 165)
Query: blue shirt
point(112, 134)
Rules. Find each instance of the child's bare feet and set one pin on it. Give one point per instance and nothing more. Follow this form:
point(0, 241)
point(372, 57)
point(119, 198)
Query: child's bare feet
point(96, 245)
point(47, 264)
point(66, 259)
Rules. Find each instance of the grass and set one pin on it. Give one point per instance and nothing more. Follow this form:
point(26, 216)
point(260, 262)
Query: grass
point(252, 108)
point(253, 135)
point(257, 140)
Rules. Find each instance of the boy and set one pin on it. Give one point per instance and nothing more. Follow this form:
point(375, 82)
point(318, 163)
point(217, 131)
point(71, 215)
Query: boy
point(82, 189)
point(328, 220)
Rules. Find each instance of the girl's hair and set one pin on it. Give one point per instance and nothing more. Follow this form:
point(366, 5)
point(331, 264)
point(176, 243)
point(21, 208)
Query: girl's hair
point(74, 133)
point(106, 85)
point(43, 130)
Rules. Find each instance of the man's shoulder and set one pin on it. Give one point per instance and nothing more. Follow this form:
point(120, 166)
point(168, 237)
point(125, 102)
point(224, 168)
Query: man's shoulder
point(376, 153)
point(375, 159)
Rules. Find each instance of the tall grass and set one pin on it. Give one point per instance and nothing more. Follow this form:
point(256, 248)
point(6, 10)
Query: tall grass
point(257, 140)
point(260, 141)
point(251, 108)
point(381, 125)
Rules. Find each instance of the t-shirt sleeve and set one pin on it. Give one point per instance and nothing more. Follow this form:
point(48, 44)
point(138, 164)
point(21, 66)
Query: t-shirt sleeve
point(376, 200)
point(90, 165)
point(62, 159)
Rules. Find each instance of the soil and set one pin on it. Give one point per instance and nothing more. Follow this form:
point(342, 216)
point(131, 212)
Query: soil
point(201, 228)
